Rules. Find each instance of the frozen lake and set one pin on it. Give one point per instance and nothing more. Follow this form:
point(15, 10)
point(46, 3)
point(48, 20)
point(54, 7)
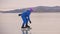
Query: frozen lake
point(42, 23)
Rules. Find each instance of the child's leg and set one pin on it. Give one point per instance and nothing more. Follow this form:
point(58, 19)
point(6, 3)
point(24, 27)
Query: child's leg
point(27, 23)
point(24, 22)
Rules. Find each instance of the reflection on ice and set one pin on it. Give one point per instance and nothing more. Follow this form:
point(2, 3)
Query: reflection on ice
point(26, 31)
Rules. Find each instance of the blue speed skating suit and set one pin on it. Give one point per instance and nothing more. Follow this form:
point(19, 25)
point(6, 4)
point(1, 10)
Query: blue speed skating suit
point(25, 17)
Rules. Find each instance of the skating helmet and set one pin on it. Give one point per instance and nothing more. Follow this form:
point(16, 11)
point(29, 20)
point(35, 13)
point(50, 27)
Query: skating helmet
point(30, 9)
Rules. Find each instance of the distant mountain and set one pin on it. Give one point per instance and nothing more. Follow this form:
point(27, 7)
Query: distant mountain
point(13, 11)
point(47, 9)
point(36, 9)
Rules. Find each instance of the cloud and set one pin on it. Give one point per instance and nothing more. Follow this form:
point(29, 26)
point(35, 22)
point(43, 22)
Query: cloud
point(13, 4)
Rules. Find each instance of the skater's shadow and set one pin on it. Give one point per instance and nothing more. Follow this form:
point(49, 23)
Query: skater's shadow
point(26, 31)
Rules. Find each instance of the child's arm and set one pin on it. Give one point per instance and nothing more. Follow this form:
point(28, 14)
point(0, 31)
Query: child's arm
point(29, 19)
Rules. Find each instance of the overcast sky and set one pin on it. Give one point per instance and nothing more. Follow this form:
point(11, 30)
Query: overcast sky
point(14, 4)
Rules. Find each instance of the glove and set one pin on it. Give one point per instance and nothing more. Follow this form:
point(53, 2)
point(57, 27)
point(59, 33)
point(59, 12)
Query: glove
point(30, 22)
point(20, 14)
